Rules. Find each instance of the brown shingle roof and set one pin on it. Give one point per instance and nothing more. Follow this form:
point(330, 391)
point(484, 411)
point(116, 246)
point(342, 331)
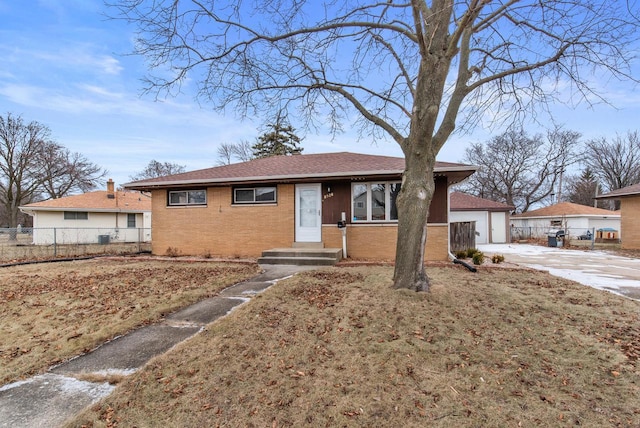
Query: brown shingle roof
point(464, 202)
point(625, 191)
point(567, 209)
point(296, 167)
point(96, 201)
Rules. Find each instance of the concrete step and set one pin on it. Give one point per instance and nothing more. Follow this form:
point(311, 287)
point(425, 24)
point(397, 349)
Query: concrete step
point(315, 245)
point(297, 261)
point(301, 256)
point(332, 253)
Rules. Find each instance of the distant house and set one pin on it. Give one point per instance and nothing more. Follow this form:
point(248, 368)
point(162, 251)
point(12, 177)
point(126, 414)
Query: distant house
point(575, 219)
point(90, 217)
point(247, 208)
point(629, 209)
point(491, 218)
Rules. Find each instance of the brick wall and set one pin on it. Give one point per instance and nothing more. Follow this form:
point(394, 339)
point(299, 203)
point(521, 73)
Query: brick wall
point(378, 242)
point(629, 224)
point(220, 228)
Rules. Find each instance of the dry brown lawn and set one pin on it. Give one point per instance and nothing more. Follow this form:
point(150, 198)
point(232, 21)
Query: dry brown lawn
point(51, 312)
point(338, 348)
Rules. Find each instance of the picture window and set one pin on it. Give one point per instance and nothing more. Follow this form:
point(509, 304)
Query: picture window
point(375, 201)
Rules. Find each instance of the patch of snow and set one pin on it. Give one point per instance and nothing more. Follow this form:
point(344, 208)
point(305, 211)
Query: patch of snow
point(66, 384)
point(115, 372)
point(602, 282)
point(73, 385)
point(15, 384)
point(585, 267)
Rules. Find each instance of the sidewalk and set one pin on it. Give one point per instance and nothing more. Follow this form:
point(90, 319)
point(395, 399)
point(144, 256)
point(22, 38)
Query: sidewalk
point(50, 399)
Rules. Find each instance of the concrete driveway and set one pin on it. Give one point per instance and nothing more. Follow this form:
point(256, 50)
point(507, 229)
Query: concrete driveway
point(605, 271)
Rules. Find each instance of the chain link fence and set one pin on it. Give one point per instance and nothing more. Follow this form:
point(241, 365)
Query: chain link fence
point(26, 243)
point(534, 233)
point(575, 236)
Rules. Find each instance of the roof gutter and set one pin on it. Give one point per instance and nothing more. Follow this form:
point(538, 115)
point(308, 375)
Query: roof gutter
point(31, 210)
point(616, 196)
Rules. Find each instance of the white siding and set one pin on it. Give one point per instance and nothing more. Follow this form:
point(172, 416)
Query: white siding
point(50, 226)
point(576, 225)
point(482, 223)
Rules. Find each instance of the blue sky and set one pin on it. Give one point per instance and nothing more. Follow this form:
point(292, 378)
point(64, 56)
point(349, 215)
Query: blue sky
point(66, 66)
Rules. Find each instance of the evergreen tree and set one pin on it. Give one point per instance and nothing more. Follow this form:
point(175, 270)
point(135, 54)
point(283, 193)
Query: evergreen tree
point(583, 189)
point(281, 140)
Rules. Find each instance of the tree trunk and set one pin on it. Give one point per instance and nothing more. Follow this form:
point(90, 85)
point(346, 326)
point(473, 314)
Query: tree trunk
point(13, 219)
point(413, 208)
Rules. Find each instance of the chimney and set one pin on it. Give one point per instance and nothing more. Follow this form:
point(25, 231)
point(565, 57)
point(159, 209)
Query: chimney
point(110, 189)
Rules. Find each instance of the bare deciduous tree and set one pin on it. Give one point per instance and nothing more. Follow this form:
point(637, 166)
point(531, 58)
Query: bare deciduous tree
point(20, 147)
point(33, 166)
point(406, 68)
point(234, 152)
point(65, 172)
point(519, 169)
point(615, 163)
point(158, 169)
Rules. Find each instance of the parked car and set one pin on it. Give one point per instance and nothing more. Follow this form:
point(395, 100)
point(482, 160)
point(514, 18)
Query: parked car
point(586, 236)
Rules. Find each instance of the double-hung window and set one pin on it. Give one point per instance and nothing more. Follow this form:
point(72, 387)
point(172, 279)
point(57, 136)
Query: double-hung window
point(131, 220)
point(254, 195)
point(375, 201)
point(187, 197)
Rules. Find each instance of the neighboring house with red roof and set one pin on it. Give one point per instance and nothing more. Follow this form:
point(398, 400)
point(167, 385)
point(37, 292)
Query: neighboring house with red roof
point(575, 218)
point(89, 217)
point(629, 209)
point(491, 218)
point(247, 208)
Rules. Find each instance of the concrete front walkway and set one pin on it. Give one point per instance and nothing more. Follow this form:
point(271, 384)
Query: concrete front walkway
point(598, 269)
point(50, 399)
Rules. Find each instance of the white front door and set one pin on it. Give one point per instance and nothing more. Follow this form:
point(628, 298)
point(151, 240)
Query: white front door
point(308, 213)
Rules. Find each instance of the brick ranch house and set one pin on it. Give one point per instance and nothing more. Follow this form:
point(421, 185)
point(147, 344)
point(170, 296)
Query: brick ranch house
point(629, 208)
point(244, 209)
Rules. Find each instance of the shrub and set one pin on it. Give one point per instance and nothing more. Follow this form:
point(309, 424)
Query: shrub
point(172, 252)
point(461, 254)
point(471, 252)
point(497, 258)
point(478, 258)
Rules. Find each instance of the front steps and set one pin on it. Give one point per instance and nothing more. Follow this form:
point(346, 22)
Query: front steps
point(301, 256)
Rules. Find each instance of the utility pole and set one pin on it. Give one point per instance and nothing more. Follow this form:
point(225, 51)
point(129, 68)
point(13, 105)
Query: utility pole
point(560, 185)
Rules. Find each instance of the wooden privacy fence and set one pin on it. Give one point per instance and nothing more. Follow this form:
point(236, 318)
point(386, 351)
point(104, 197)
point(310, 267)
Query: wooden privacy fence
point(462, 235)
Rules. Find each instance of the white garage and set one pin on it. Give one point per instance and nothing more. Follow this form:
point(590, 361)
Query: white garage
point(491, 218)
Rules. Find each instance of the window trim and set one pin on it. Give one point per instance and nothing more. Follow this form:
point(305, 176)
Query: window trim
point(74, 215)
point(187, 203)
point(369, 201)
point(235, 201)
